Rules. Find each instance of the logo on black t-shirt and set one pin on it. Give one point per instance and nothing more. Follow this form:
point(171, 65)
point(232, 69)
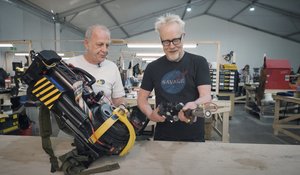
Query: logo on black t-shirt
point(100, 82)
point(173, 82)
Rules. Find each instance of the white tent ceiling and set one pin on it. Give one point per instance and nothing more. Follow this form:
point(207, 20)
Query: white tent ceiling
point(128, 18)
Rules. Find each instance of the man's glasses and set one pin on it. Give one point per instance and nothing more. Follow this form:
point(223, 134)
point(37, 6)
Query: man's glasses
point(175, 41)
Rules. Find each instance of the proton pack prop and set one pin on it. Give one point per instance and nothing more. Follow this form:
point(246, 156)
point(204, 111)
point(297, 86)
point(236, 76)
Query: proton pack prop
point(170, 111)
point(98, 128)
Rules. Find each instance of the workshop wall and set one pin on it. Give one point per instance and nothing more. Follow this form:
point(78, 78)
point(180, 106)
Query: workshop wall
point(18, 24)
point(248, 44)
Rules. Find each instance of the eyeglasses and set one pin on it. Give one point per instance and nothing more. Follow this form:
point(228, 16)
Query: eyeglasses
point(175, 41)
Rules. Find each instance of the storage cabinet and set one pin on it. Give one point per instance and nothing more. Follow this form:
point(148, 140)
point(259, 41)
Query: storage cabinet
point(226, 80)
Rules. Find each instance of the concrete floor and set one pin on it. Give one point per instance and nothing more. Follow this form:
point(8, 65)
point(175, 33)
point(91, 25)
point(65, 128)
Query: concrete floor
point(248, 128)
point(243, 128)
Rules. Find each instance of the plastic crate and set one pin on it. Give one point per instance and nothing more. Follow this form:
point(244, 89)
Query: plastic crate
point(9, 124)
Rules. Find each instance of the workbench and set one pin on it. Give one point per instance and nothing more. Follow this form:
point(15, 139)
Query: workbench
point(262, 109)
point(220, 119)
point(231, 96)
point(133, 101)
point(284, 124)
point(4, 93)
point(9, 121)
point(24, 155)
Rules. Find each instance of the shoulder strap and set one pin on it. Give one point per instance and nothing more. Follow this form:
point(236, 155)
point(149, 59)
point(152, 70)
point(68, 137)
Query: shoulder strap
point(72, 162)
point(101, 169)
point(45, 132)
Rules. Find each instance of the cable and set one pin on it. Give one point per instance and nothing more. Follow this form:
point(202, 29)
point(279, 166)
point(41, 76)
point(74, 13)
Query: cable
point(209, 105)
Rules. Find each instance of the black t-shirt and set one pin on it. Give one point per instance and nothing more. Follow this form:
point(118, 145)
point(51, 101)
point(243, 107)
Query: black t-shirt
point(177, 82)
point(3, 76)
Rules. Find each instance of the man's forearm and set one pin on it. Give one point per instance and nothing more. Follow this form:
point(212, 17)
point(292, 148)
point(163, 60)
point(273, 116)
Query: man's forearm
point(119, 101)
point(145, 108)
point(203, 99)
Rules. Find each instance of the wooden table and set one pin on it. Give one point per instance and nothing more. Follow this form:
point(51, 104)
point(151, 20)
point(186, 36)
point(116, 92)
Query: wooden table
point(231, 96)
point(284, 124)
point(250, 99)
point(221, 119)
point(133, 101)
point(4, 95)
point(24, 155)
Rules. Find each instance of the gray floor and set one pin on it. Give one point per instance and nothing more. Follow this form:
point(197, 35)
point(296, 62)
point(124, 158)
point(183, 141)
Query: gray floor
point(248, 128)
point(243, 128)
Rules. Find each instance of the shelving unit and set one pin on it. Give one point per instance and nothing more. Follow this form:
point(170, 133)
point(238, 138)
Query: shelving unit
point(223, 81)
point(226, 80)
point(226, 85)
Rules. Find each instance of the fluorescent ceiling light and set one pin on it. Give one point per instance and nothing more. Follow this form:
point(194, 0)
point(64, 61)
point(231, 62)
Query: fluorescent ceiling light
point(251, 9)
point(22, 54)
point(188, 9)
point(149, 59)
point(191, 46)
point(6, 45)
point(149, 54)
point(27, 54)
point(144, 45)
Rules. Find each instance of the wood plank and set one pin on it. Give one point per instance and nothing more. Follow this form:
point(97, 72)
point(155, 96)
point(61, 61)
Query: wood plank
point(24, 155)
point(281, 125)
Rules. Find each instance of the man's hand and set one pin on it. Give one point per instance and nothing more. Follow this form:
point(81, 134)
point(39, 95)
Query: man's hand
point(181, 114)
point(156, 117)
point(124, 108)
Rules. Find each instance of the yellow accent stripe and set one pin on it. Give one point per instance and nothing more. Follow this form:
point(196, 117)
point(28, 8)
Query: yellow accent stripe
point(15, 116)
point(109, 122)
point(52, 99)
point(40, 87)
point(10, 129)
point(46, 93)
point(40, 81)
point(132, 135)
point(49, 93)
point(102, 129)
point(45, 90)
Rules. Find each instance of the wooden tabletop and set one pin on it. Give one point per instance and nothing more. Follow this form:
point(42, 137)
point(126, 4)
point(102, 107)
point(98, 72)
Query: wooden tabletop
point(286, 98)
point(24, 155)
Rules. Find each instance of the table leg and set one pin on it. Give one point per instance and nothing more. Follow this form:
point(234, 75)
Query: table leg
point(225, 132)
point(276, 117)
